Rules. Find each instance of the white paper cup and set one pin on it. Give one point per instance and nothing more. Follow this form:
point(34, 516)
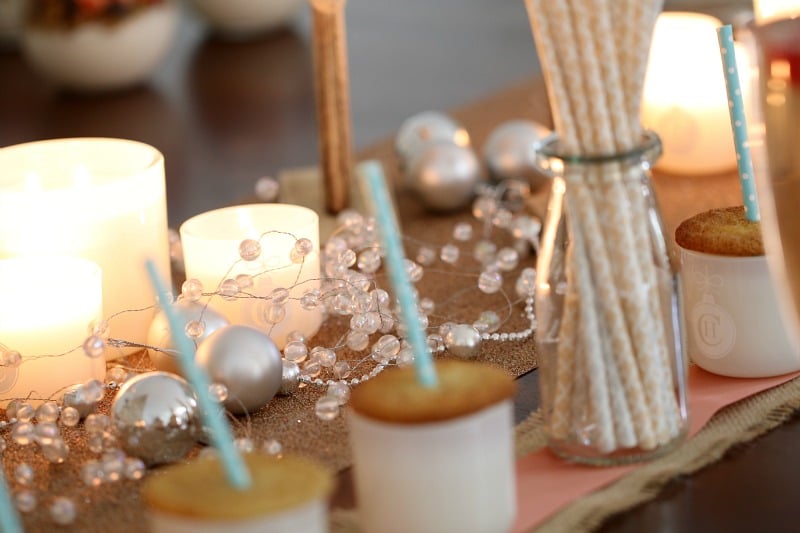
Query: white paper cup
point(455, 474)
point(288, 495)
point(733, 321)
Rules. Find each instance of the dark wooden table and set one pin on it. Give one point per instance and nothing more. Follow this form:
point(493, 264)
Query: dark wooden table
point(226, 113)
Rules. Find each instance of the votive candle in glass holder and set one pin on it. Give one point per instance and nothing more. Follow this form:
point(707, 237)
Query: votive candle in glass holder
point(46, 307)
point(435, 459)
point(288, 494)
point(216, 254)
point(101, 199)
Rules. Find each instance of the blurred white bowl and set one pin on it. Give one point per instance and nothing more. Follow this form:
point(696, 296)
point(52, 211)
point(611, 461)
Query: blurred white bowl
point(240, 18)
point(96, 56)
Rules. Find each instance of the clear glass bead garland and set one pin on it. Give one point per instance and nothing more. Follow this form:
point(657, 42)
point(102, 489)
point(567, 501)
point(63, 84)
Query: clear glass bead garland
point(613, 373)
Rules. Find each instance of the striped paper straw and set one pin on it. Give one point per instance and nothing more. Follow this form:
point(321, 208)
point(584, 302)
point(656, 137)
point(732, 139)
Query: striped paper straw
point(9, 519)
point(221, 435)
point(372, 173)
point(738, 123)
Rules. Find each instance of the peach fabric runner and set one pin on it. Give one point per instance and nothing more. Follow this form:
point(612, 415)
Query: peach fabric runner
point(546, 484)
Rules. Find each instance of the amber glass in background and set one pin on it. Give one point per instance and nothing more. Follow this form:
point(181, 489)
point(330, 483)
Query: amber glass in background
point(777, 158)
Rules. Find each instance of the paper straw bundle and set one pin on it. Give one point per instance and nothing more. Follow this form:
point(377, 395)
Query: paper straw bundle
point(613, 370)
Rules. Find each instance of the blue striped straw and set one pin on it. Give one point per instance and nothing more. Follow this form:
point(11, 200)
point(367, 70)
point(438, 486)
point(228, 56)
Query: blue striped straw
point(738, 123)
point(221, 435)
point(9, 519)
point(372, 172)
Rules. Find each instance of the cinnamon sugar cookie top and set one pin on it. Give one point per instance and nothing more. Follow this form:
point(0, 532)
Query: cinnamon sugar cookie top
point(724, 231)
point(464, 388)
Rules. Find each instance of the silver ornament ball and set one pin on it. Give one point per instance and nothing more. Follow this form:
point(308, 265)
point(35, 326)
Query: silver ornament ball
point(445, 175)
point(290, 378)
point(156, 417)
point(160, 335)
point(426, 128)
point(510, 152)
point(246, 361)
point(463, 340)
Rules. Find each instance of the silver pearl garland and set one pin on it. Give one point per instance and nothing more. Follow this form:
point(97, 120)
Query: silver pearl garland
point(247, 362)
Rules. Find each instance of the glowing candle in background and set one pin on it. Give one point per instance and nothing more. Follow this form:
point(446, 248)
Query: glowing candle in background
point(211, 243)
point(46, 307)
point(684, 95)
point(769, 10)
point(101, 199)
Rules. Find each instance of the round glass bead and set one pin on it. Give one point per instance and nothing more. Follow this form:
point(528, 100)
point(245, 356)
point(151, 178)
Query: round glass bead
point(69, 417)
point(96, 423)
point(295, 335)
point(358, 281)
point(25, 501)
point(413, 271)
point(279, 295)
point(95, 442)
point(22, 433)
point(267, 189)
point(25, 412)
point(47, 412)
point(526, 227)
point(192, 289)
point(369, 261)
point(134, 468)
point(449, 253)
point(244, 445)
point(92, 473)
point(218, 392)
point(295, 351)
point(490, 282)
point(426, 256)
point(310, 299)
point(272, 447)
point(228, 289)
point(10, 358)
point(347, 258)
point(351, 219)
point(56, 451)
point(303, 246)
point(244, 281)
point(362, 302)
point(311, 369)
point(274, 313)
point(94, 346)
point(435, 342)
point(46, 432)
point(462, 231)
point(341, 369)
point(385, 349)
point(117, 374)
point(502, 218)
point(427, 305)
point(484, 207)
point(63, 511)
point(405, 357)
point(484, 251)
point(387, 323)
point(195, 329)
point(93, 390)
point(445, 327)
point(11, 408)
point(507, 259)
point(24, 474)
point(324, 356)
point(339, 390)
point(3, 444)
point(357, 340)
point(327, 408)
point(526, 283)
point(380, 299)
point(489, 320)
point(250, 249)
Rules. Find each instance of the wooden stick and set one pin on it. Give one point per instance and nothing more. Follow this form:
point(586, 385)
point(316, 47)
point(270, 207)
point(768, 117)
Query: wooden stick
point(332, 88)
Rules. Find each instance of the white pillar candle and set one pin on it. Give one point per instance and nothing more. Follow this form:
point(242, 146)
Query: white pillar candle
point(101, 199)
point(684, 97)
point(769, 10)
point(211, 243)
point(46, 307)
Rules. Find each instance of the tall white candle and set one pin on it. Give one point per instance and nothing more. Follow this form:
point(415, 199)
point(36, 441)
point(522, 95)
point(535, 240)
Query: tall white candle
point(46, 307)
point(211, 243)
point(102, 199)
point(684, 97)
point(769, 10)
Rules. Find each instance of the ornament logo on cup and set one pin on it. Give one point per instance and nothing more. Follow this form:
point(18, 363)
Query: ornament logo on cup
point(714, 327)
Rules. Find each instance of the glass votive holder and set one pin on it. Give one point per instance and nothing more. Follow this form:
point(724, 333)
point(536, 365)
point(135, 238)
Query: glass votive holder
point(288, 494)
point(732, 312)
point(435, 459)
point(212, 251)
